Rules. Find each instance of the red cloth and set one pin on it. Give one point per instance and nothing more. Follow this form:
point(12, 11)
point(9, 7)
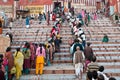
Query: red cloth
point(26, 63)
point(53, 17)
point(53, 30)
point(2, 75)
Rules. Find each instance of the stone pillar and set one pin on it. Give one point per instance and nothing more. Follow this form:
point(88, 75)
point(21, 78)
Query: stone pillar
point(118, 3)
point(14, 8)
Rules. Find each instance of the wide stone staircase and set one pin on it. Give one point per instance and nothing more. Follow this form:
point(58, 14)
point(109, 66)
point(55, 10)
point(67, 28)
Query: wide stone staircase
point(108, 54)
point(61, 67)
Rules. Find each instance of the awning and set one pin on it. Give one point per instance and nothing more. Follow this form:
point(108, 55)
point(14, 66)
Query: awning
point(35, 2)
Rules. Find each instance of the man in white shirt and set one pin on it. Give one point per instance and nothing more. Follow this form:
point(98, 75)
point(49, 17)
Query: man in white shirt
point(100, 72)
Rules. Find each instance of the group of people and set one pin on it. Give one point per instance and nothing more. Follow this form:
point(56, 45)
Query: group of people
point(33, 55)
point(84, 59)
point(11, 65)
point(83, 56)
point(23, 59)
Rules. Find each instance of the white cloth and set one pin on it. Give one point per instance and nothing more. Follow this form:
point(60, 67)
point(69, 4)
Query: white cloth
point(72, 19)
point(71, 49)
point(75, 30)
point(70, 24)
point(11, 24)
point(78, 69)
point(80, 32)
point(74, 59)
point(105, 77)
point(68, 17)
point(27, 26)
point(83, 37)
point(50, 17)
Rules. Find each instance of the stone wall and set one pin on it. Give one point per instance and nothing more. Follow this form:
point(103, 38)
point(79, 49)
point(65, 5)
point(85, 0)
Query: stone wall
point(4, 43)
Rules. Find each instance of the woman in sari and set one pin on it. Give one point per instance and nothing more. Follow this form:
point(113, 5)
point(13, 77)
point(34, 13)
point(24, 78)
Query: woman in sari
point(27, 54)
point(18, 61)
point(8, 62)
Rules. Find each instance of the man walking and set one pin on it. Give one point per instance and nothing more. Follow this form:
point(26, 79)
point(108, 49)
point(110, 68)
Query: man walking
point(79, 59)
point(88, 52)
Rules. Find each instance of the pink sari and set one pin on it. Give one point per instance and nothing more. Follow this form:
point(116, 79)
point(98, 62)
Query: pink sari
point(95, 16)
point(83, 14)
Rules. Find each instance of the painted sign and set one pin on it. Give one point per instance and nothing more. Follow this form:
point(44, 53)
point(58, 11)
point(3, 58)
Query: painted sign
point(34, 9)
point(6, 8)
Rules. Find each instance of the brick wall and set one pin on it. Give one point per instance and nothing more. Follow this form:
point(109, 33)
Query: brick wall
point(7, 2)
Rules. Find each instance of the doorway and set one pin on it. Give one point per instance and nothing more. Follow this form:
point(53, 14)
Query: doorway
point(57, 4)
point(98, 6)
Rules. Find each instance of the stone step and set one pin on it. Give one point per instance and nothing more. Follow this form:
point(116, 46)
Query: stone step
point(101, 36)
point(114, 50)
point(32, 35)
point(62, 58)
point(57, 69)
point(22, 36)
point(64, 39)
point(109, 63)
point(67, 50)
point(49, 77)
point(37, 37)
point(40, 28)
point(61, 61)
point(108, 55)
point(101, 59)
point(63, 31)
point(100, 42)
point(115, 71)
point(112, 66)
point(108, 60)
point(57, 77)
point(62, 55)
point(106, 47)
point(96, 46)
point(116, 39)
point(103, 29)
point(107, 44)
point(117, 50)
point(99, 56)
point(43, 36)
